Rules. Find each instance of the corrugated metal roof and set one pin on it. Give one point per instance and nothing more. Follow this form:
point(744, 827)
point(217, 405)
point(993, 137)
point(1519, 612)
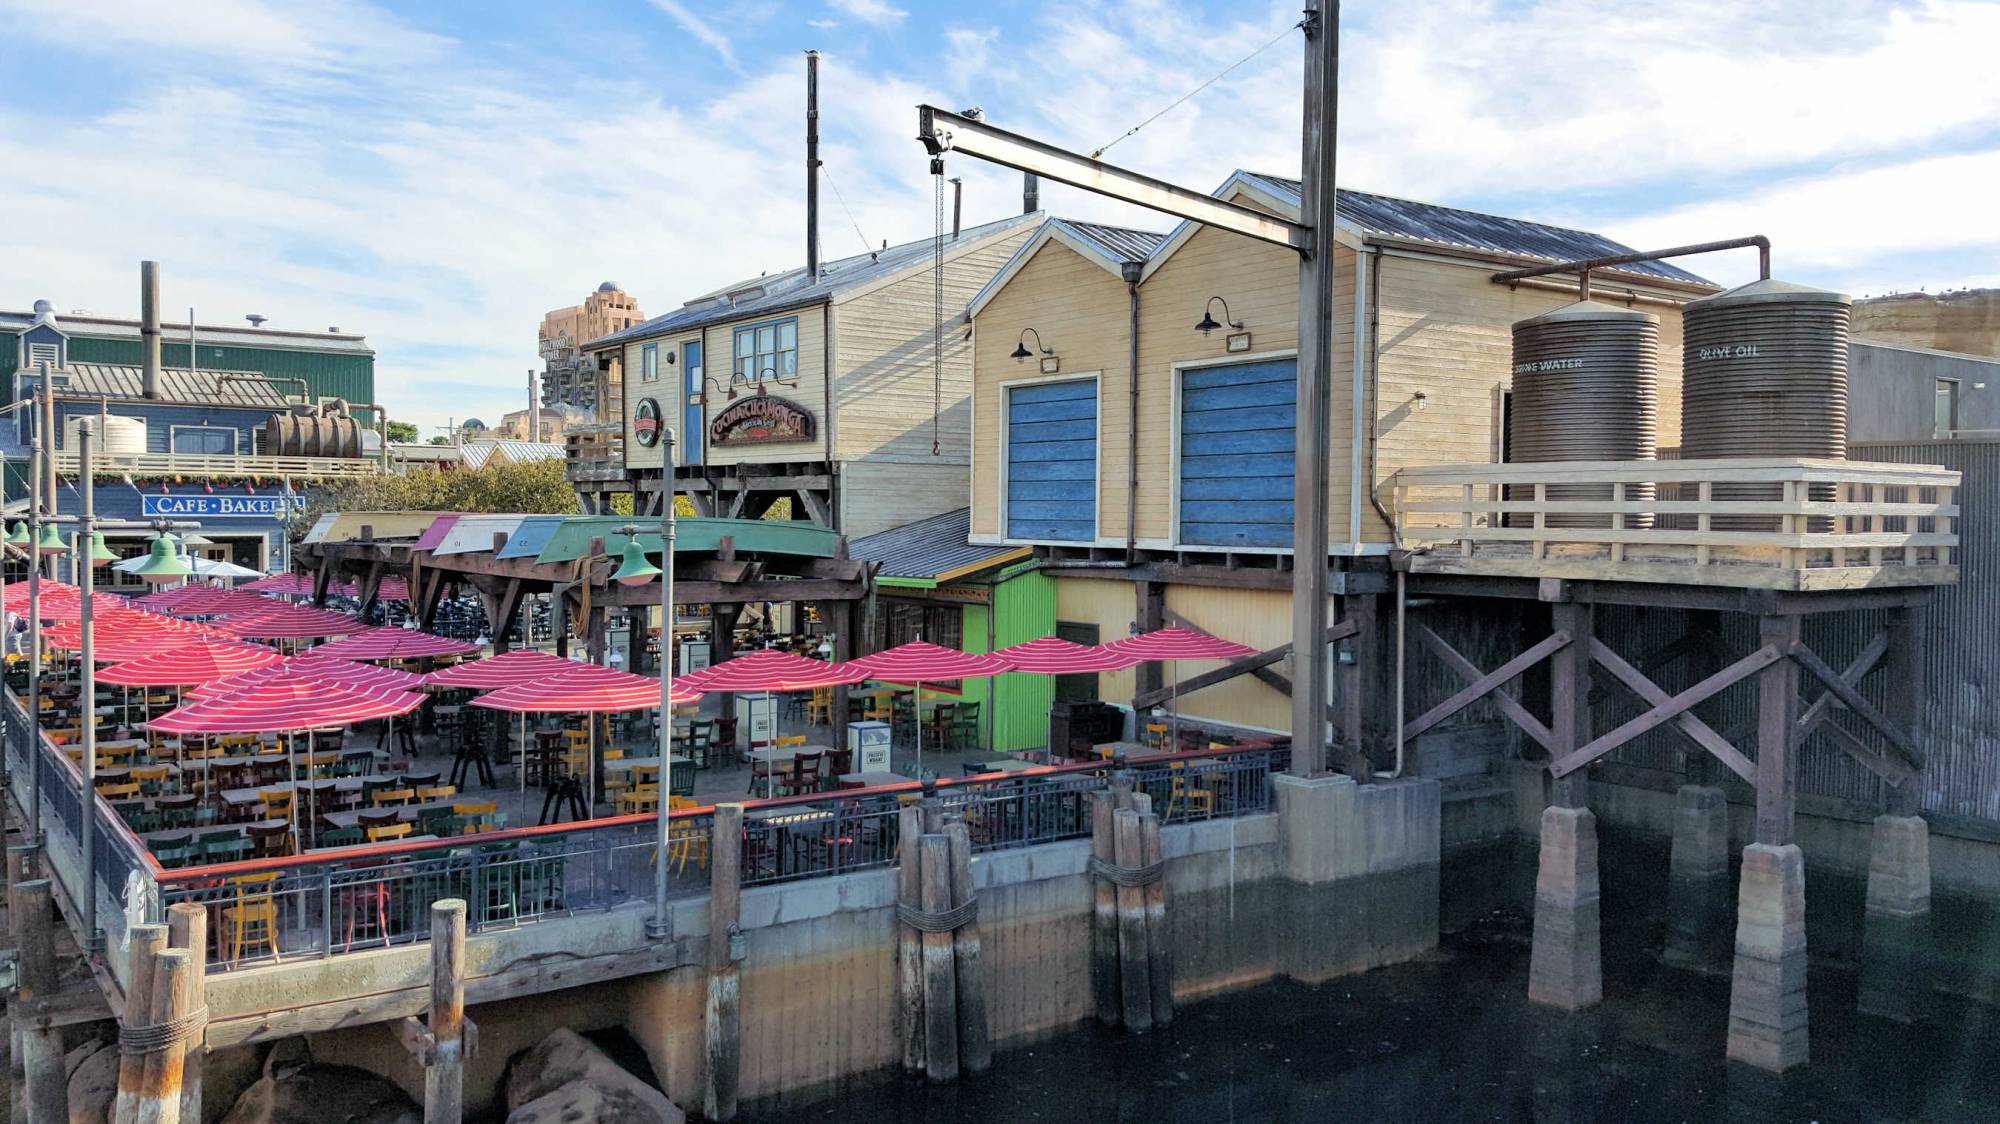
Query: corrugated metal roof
point(1119, 243)
point(528, 539)
point(473, 534)
point(218, 335)
point(434, 534)
point(692, 536)
point(926, 548)
point(790, 289)
point(521, 452)
point(1473, 230)
point(177, 384)
point(475, 454)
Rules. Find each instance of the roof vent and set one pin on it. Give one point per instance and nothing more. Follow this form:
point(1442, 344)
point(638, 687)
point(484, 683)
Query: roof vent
point(333, 328)
point(256, 319)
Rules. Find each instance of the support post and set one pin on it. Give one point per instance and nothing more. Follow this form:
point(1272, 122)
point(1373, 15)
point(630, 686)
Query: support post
point(159, 1098)
point(187, 927)
point(909, 942)
point(1565, 968)
point(1159, 943)
point(1895, 931)
point(145, 941)
point(1149, 614)
point(1767, 992)
point(1359, 681)
point(444, 1070)
point(1135, 988)
point(940, 973)
point(1313, 435)
point(46, 1080)
point(1103, 911)
point(975, 1044)
point(1698, 879)
point(722, 1034)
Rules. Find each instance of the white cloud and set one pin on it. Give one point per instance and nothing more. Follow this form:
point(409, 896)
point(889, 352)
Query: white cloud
point(823, 24)
point(877, 12)
point(701, 29)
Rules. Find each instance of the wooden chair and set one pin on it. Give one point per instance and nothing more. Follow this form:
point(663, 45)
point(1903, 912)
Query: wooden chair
point(387, 832)
point(479, 816)
point(277, 805)
point(269, 841)
point(1155, 736)
point(804, 776)
point(687, 839)
point(177, 811)
point(639, 798)
point(379, 818)
point(253, 921)
point(342, 837)
point(431, 792)
point(353, 764)
point(820, 709)
point(699, 745)
point(392, 797)
point(1195, 799)
point(964, 733)
point(172, 851)
point(129, 790)
point(153, 780)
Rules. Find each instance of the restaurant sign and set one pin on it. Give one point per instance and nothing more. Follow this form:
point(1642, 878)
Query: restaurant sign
point(646, 422)
point(762, 420)
point(273, 506)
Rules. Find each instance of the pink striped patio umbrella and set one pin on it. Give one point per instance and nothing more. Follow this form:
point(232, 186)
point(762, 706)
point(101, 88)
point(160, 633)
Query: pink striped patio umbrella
point(522, 665)
point(200, 659)
point(316, 668)
point(774, 671)
point(919, 662)
point(394, 644)
point(585, 688)
point(292, 622)
point(1053, 655)
point(70, 607)
point(393, 589)
point(1175, 645)
point(209, 601)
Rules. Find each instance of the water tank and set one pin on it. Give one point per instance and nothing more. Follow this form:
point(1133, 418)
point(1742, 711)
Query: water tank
point(1586, 388)
point(115, 436)
point(1764, 374)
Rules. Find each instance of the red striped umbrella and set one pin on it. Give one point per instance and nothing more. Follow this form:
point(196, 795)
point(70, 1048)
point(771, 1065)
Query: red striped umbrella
point(70, 607)
point(313, 667)
point(584, 688)
point(292, 622)
point(164, 600)
point(921, 662)
point(1179, 644)
point(199, 660)
point(297, 585)
point(282, 705)
point(771, 670)
point(393, 589)
point(18, 591)
point(523, 665)
point(120, 624)
point(1053, 655)
point(394, 644)
point(207, 601)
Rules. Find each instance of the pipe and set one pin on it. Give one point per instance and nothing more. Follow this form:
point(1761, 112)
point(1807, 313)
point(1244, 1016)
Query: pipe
point(149, 326)
point(957, 205)
point(1031, 193)
point(1375, 392)
point(86, 580)
point(812, 167)
point(1361, 258)
point(1402, 604)
point(1130, 271)
point(1623, 296)
point(1762, 243)
point(191, 345)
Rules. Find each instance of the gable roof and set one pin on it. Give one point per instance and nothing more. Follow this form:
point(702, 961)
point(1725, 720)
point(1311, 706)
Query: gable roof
point(931, 550)
point(1458, 228)
point(177, 384)
point(1109, 247)
point(783, 292)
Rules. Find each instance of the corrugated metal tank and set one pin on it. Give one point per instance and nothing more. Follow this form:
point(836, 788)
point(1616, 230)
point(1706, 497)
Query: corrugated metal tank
point(305, 435)
point(116, 435)
point(1586, 388)
point(1764, 374)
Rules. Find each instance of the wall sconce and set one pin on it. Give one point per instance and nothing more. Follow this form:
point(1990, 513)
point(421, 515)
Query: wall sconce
point(1238, 340)
point(773, 372)
point(1421, 400)
point(1050, 363)
point(707, 381)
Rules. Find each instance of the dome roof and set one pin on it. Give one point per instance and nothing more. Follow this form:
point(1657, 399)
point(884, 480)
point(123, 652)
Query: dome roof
point(608, 287)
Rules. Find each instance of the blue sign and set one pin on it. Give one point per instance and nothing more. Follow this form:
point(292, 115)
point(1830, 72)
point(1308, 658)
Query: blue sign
point(217, 507)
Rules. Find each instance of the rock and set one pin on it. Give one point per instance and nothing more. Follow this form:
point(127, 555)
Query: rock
point(322, 1094)
point(93, 1081)
point(566, 1079)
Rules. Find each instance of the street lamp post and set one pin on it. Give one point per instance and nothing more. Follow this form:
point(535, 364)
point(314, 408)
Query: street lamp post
point(35, 500)
point(85, 566)
point(635, 570)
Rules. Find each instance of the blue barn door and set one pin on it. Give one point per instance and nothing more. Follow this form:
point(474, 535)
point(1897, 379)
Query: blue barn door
point(691, 424)
point(1236, 448)
point(1052, 461)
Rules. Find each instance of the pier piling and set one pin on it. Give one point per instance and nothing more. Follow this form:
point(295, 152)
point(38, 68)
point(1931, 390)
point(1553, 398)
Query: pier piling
point(43, 1074)
point(163, 1041)
point(187, 927)
point(1135, 989)
point(145, 941)
point(940, 967)
point(1159, 944)
point(910, 942)
point(1103, 912)
point(975, 1046)
point(721, 1025)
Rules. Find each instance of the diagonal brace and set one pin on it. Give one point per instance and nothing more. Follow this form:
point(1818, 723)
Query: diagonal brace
point(1680, 704)
point(1509, 705)
point(1857, 671)
point(1851, 698)
point(1486, 684)
point(1697, 731)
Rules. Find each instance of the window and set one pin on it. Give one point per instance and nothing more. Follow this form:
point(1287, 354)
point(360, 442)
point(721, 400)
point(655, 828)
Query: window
point(1237, 431)
point(1080, 687)
point(1946, 407)
point(1052, 461)
point(762, 348)
point(649, 363)
point(203, 440)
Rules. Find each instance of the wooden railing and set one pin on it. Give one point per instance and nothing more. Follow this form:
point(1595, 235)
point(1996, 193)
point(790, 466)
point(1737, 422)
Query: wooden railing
point(190, 464)
point(596, 451)
point(1777, 523)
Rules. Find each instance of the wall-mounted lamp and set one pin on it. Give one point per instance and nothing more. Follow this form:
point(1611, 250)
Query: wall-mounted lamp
point(1421, 400)
point(1238, 340)
point(710, 380)
point(1050, 363)
point(773, 373)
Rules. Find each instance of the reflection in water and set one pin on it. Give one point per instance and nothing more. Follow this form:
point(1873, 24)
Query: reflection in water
point(1453, 1038)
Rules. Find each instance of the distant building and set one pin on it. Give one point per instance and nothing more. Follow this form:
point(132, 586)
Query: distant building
point(1965, 322)
point(514, 424)
point(572, 378)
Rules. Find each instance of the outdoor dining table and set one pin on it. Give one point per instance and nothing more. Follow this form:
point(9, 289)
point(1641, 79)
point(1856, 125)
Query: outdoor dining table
point(790, 826)
point(405, 813)
point(999, 765)
point(870, 780)
point(327, 851)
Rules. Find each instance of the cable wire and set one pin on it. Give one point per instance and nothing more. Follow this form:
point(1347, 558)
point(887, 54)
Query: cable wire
point(866, 246)
point(1198, 89)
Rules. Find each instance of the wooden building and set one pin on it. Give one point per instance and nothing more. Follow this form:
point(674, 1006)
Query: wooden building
point(1150, 463)
point(817, 390)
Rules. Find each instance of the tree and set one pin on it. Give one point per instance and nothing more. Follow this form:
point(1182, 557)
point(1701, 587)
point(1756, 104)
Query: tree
point(534, 488)
point(440, 439)
point(402, 431)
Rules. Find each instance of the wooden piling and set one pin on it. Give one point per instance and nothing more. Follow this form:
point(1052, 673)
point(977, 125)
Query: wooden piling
point(444, 1077)
point(187, 927)
point(1135, 991)
point(20, 868)
point(722, 1054)
point(975, 1044)
point(909, 942)
point(940, 969)
point(159, 1096)
point(1159, 942)
point(43, 1073)
point(1103, 913)
point(145, 941)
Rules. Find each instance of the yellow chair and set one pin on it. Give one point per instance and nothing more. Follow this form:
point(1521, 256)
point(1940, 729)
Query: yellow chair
point(820, 709)
point(393, 797)
point(119, 755)
point(1187, 792)
point(686, 839)
point(639, 798)
point(430, 792)
point(789, 740)
point(479, 817)
point(1156, 736)
point(236, 741)
point(277, 803)
point(125, 791)
point(388, 832)
point(153, 777)
point(253, 920)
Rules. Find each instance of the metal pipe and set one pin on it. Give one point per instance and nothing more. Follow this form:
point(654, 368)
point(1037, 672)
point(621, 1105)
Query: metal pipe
point(661, 927)
point(149, 327)
point(1402, 604)
point(1031, 193)
point(1762, 243)
point(86, 580)
point(1131, 271)
point(957, 205)
point(191, 346)
point(35, 628)
point(1356, 434)
point(812, 168)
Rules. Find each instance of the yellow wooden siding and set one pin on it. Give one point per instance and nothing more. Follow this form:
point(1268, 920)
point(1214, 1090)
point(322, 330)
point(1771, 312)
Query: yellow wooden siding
point(666, 390)
point(718, 360)
point(1110, 604)
point(883, 375)
point(1258, 617)
point(1447, 330)
point(876, 495)
point(1080, 310)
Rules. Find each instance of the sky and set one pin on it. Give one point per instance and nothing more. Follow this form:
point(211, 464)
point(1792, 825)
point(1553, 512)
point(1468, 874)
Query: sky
point(438, 175)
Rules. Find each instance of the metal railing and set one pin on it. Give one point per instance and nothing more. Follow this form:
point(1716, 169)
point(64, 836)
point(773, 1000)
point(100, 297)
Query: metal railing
point(201, 464)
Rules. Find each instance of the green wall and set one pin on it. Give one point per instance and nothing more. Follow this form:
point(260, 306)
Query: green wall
point(1024, 609)
point(329, 374)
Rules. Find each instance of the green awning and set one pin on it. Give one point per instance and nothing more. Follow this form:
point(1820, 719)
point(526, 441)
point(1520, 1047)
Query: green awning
point(692, 536)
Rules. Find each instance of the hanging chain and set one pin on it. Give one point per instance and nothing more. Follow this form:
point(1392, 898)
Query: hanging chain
point(937, 307)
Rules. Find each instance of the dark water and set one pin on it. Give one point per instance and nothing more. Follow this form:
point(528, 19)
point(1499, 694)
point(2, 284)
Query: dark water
point(1453, 1038)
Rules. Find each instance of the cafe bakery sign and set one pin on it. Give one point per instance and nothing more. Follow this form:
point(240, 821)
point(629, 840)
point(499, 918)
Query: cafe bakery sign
point(762, 420)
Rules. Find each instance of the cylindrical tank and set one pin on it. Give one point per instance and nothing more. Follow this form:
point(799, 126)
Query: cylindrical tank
point(1586, 388)
point(115, 436)
point(309, 435)
point(1764, 374)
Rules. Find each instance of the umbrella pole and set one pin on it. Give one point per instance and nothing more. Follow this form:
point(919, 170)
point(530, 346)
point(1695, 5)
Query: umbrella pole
point(1174, 706)
point(917, 711)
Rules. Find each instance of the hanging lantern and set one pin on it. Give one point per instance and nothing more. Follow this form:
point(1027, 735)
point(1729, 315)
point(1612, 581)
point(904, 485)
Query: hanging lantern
point(162, 565)
point(635, 568)
point(101, 553)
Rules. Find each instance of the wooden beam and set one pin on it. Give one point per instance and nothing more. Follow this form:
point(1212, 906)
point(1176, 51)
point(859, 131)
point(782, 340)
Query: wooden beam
point(1569, 693)
point(1283, 685)
point(1243, 666)
point(1484, 685)
point(1509, 705)
point(1686, 700)
point(1851, 698)
point(1777, 712)
point(1892, 770)
point(1857, 670)
point(1697, 731)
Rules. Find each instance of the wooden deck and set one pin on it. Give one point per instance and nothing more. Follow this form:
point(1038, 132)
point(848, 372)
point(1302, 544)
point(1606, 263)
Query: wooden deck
point(1792, 524)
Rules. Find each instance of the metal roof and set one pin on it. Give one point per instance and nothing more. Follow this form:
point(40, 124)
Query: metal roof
point(521, 452)
point(177, 384)
point(475, 454)
point(434, 534)
point(927, 548)
point(99, 327)
point(1119, 243)
point(530, 536)
point(691, 536)
point(790, 289)
point(473, 534)
point(1473, 230)
point(345, 526)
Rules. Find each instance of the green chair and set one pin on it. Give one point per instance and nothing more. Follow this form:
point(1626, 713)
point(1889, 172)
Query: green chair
point(498, 878)
point(965, 726)
point(174, 850)
point(680, 779)
point(441, 822)
point(342, 837)
point(699, 743)
point(370, 788)
point(354, 765)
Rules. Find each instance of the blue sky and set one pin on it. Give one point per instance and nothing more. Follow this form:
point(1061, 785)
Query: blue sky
point(438, 175)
